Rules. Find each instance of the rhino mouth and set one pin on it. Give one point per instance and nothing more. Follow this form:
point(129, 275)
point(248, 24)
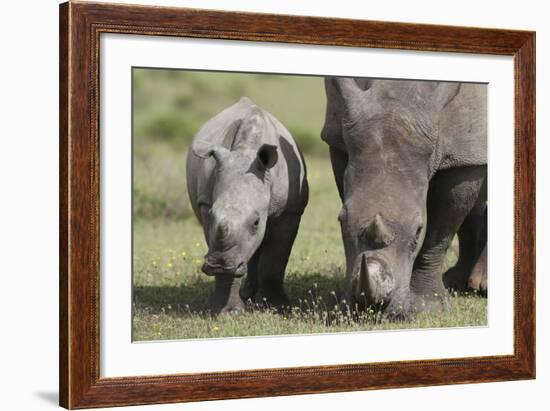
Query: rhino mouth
point(219, 269)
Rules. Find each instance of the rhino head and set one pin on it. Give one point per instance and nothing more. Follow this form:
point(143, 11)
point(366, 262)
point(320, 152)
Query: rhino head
point(236, 219)
point(390, 131)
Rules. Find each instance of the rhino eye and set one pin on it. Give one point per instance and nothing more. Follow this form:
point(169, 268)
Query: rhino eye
point(254, 224)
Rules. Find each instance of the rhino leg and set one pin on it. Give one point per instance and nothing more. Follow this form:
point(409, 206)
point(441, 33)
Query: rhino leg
point(472, 237)
point(226, 298)
point(250, 284)
point(451, 196)
point(478, 277)
point(274, 258)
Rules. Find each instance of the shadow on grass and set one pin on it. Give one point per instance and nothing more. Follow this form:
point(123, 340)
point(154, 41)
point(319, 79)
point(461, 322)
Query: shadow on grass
point(179, 299)
point(193, 296)
point(315, 285)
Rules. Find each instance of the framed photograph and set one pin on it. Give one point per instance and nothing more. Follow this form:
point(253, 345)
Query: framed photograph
point(259, 205)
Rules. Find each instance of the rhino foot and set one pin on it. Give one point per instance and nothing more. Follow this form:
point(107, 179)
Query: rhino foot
point(456, 279)
point(233, 309)
point(226, 298)
point(478, 277)
point(232, 306)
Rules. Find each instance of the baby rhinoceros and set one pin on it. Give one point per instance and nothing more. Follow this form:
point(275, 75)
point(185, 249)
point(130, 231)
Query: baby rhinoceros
point(247, 185)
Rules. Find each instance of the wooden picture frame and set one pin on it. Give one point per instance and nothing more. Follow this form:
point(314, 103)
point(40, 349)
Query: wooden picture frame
point(80, 27)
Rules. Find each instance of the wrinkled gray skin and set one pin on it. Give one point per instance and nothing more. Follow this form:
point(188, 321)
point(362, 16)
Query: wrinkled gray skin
point(409, 159)
point(247, 185)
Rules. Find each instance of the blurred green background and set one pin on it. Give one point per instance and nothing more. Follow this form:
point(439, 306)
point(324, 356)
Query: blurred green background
point(169, 106)
point(170, 292)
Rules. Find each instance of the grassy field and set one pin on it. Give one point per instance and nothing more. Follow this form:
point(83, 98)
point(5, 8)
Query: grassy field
point(170, 292)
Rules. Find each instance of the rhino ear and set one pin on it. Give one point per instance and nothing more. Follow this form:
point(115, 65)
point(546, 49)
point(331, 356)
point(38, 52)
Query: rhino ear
point(348, 89)
point(267, 156)
point(208, 143)
point(444, 93)
point(202, 149)
point(206, 151)
point(351, 93)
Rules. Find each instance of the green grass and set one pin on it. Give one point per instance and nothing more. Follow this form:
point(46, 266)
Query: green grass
point(171, 323)
point(170, 292)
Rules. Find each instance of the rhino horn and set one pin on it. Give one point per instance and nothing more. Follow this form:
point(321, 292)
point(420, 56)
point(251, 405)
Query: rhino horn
point(377, 234)
point(364, 288)
point(223, 230)
point(373, 283)
point(221, 234)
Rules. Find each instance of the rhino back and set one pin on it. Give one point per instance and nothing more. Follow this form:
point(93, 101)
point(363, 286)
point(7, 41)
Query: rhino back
point(462, 139)
point(463, 128)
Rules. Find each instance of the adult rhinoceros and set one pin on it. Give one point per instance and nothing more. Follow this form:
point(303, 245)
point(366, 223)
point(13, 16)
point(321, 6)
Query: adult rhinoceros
point(410, 163)
point(247, 185)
